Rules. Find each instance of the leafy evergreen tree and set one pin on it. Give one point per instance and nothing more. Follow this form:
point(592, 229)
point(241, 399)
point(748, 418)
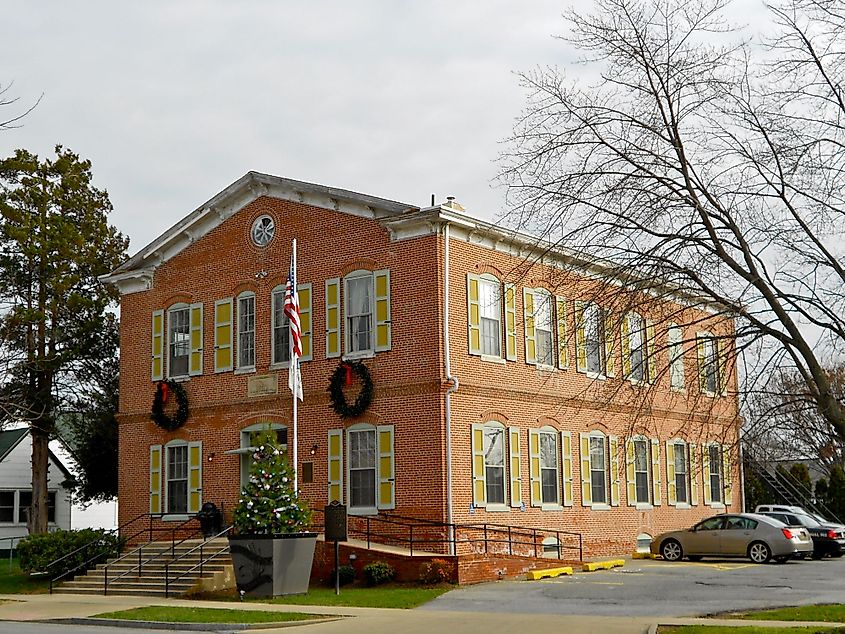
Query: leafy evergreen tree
point(269, 504)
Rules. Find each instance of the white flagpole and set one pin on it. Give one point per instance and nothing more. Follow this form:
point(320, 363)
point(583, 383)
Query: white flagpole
point(293, 368)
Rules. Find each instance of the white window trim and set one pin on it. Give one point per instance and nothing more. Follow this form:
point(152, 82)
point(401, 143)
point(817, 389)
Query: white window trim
point(245, 369)
point(643, 346)
point(673, 327)
point(684, 445)
point(496, 507)
point(487, 278)
point(542, 294)
point(245, 449)
point(708, 336)
point(644, 505)
point(370, 352)
point(276, 365)
point(720, 503)
point(547, 429)
point(165, 478)
point(601, 506)
point(170, 310)
point(602, 374)
point(360, 510)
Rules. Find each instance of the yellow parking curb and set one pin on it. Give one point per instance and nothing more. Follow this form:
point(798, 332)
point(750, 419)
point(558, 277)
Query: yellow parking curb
point(639, 555)
point(548, 573)
point(603, 565)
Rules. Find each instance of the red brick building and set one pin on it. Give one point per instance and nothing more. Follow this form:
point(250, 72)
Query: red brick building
point(512, 384)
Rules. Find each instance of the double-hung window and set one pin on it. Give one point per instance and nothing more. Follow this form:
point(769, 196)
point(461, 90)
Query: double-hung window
point(178, 340)
point(676, 357)
point(359, 312)
point(362, 469)
point(176, 477)
point(543, 328)
point(641, 462)
point(593, 333)
point(7, 506)
point(636, 347)
point(549, 467)
point(246, 331)
point(25, 502)
point(708, 363)
point(490, 305)
point(714, 453)
point(494, 463)
point(681, 473)
point(281, 328)
point(598, 470)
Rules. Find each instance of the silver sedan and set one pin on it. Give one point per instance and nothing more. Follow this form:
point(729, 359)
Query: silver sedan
point(757, 537)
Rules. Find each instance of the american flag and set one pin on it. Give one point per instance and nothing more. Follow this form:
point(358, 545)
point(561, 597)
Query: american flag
point(291, 310)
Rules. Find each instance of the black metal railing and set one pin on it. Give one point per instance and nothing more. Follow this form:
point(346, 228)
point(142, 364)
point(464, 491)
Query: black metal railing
point(202, 562)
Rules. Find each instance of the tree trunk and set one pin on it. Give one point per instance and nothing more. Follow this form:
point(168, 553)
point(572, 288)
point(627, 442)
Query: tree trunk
point(40, 463)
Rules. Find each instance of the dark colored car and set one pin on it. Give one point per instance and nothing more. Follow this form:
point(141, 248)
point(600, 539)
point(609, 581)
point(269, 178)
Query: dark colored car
point(828, 539)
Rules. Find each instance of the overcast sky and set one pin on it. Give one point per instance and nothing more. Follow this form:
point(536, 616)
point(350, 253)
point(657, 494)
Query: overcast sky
point(172, 101)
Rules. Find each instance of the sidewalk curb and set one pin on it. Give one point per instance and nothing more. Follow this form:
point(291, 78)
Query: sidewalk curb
point(193, 627)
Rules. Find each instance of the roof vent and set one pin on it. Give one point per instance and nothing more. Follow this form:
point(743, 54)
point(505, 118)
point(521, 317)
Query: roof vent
point(451, 203)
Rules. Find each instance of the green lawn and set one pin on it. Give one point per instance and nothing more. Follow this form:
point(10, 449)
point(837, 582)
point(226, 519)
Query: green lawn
point(391, 596)
point(16, 582)
point(739, 629)
point(834, 613)
point(167, 614)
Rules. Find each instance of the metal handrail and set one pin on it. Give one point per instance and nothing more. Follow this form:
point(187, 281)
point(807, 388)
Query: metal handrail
point(199, 565)
point(12, 546)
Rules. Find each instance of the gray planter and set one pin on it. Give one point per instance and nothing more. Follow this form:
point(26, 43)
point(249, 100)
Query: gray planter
point(273, 565)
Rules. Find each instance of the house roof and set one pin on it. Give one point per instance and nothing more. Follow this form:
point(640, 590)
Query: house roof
point(11, 438)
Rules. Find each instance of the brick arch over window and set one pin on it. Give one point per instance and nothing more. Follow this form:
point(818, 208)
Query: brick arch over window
point(178, 298)
point(484, 267)
point(270, 417)
point(494, 416)
point(363, 264)
point(548, 421)
point(245, 287)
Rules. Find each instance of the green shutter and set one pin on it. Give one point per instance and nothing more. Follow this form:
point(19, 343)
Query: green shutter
point(306, 323)
point(157, 372)
point(580, 338)
point(615, 484)
point(586, 480)
point(333, 318)
point(386, 468)
point(510, 322)
point(195, 368)
point(155, 479)
point(566, 466)
point(473, 314)
point(479, 477)
point(562, 339)
point(630, 473)
point(514, 467)
point(194, 477)
point(693, 475)
point(223, 335)
point(609, 344)
point(335, 456)
point(655, 472)
point(671, 485)
point(534, 467)
point(383, 323)
point(530, 331)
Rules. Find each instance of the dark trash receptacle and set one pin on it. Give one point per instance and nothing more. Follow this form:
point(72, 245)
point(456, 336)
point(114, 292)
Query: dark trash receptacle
point(210, 519)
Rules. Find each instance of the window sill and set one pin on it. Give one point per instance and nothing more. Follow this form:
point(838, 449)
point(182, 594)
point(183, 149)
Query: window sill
point(600, 507)
point(642, 506)
point(175, 518)
point(497, 508)
point(363, 511)
point(249, 370)
point(362, 354)
point(284, 365)
point(491, 359)
point(545, 368)
point(682, 506)
point(716, 505)
point(179, 379)
point(679, 390)
point(551, 507)
point(597, 377)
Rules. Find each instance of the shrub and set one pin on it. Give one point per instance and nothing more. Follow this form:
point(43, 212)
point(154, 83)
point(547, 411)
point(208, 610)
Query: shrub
point(434, 572)
point(379, 572)
point(347, 575)
point(36, 552)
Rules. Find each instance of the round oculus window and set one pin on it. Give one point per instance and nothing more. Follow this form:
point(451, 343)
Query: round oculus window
point(263, 230)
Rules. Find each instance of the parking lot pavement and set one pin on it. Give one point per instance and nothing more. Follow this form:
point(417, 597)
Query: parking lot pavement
point(658, 588)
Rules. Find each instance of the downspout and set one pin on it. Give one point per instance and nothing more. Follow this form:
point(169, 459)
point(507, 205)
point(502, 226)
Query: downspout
point(451, 390)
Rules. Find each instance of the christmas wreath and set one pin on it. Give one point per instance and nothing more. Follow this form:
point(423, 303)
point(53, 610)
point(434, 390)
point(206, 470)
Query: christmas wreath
point(342, 377)
point(163, 391)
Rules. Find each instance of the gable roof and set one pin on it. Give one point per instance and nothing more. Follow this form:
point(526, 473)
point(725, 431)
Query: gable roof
point(11, 438)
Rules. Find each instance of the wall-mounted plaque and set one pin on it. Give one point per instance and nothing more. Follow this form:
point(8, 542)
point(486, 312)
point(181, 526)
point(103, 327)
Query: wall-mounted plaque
point(264, 385)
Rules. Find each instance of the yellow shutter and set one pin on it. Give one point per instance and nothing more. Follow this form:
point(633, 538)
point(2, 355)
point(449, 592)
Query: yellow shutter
point(615, 484)
point(530, 331)
point(655, 473)
point(705, 471)
point(566, 466)
point(609, 344)
point(305, 321)
point(626, 345)
point(514, 467)
point(586, 486)
point(693, 474)
point(479, 475)
point(727, 485)
point(562, 339)
point(630, 473)
point(386, 468)
point(473, 315)
point(195, 368)
point(157, 371)
point(702, 370)
point(383, 324)
point(580, 338)
point(332, 318)
point(155, 479)
point(194, 477)
point(651, 359)
point(722, 354)
point(510, 322)
point(223, 335)
point(671, 485)
point(335, 456)
point(534, 467)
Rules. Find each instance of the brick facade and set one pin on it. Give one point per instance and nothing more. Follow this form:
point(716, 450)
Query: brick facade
point(210, 256)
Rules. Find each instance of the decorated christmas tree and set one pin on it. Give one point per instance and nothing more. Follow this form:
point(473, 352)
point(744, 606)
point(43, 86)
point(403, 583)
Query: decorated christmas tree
point(269, 504)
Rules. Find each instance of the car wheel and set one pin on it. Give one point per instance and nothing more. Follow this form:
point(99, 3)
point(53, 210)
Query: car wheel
point(781, 559)
point(694, 557)
point(671, 550)
point(759, 552)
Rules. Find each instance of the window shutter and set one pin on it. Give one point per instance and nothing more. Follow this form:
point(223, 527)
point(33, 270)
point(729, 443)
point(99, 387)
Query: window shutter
point(609, 344)
point(671, 485)
point(336, 465)
point(155, 479)
point(722, 357)
point(651, 360)
point(586, 481)
point(580, 338)
point(479, 476)
point(727, 484)
point(613, 442)
point(473, 315)
point(702, 371)
point(194, 477)
point(510, 322)
point(196, 340)
point(566, 466)
point(705, 470)
point(534, 467)
point(223, 335)
point(383, 324)
point(562, 340)
point(530, 330)
point(386, 468)
point(630, 474)
point(626, 345)
point(305, 294)
point(157, 372)
point(655, 472)
point(514, 467)
point(333, 318)
point(693, 475)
